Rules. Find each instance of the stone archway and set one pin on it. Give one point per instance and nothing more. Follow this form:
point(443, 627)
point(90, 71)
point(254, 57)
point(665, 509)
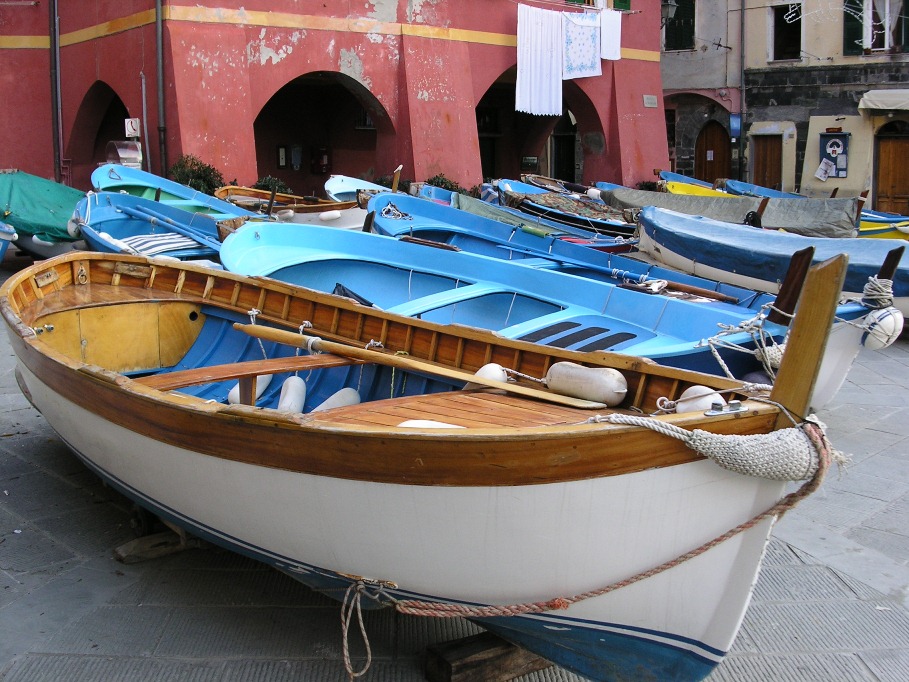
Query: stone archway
point(99, 120)
point(317, 124)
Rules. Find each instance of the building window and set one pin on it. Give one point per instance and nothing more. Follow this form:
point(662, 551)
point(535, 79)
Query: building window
point(787, 31)
point(678, 33)
point(874, 26)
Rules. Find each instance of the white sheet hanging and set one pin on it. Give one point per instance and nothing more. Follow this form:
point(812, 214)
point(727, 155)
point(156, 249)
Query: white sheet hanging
point(538, 89)
point(581, 54)
point(611, 34)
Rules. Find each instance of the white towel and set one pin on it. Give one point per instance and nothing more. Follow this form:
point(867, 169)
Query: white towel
point(610, 34)
point(539, 84)
point(581, 56)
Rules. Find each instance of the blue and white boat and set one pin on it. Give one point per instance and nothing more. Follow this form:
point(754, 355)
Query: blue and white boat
point(7, 236)
point(543, 304)
point(110, 177)
point(756, 258)
point(113, 222)
point(411, 218)
point(580, 210)
point(345, 187)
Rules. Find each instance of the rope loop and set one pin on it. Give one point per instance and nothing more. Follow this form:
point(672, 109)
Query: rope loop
point(349, 608)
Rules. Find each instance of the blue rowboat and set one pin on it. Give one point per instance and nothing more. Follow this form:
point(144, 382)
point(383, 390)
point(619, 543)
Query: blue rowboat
point(112, 222)
point(345, 188)
point(111, 177)
point(7, 236)
point(669, 176)
point(542, 303)
point(583, 210)
point(757, 258)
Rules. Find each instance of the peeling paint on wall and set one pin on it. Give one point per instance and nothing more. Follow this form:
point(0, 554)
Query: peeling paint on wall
point(262, 50)
point(351, 64)
point(383, 10)
point(423, 12)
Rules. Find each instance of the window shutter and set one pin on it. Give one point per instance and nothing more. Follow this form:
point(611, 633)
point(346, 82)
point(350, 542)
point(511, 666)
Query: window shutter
point(852, 27)
point(621, 4)
point(679, 30)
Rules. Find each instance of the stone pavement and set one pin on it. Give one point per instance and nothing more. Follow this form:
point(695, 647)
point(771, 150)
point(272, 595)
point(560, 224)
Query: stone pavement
point(832, 601)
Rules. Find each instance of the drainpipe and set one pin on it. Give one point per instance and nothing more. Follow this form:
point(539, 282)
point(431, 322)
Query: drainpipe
point(56, 123)
point(742, 89)
point(162, 124)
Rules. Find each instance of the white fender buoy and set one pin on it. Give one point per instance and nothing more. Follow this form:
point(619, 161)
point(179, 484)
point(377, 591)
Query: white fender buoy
point(293, 394)
point(883, 327)
point(346, 396)
point(328, 216)
point(599, 384)
point(594, 193)
point(427, 424)
point(491, 371)
point(262, 382)
point(698, 399)
point(285, 215)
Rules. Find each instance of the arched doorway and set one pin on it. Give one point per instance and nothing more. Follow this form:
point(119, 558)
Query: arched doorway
point(891, 173)
point(100, 119)
point(712, 153)
point(512, 142)
point(318, 124)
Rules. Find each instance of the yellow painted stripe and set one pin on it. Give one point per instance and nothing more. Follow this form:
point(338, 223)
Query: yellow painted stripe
point(640, 55)
point(24, 42)
point(207, 15)
point(108, 28)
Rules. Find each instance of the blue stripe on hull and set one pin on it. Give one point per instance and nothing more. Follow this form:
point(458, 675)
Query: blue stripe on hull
point(604, 655)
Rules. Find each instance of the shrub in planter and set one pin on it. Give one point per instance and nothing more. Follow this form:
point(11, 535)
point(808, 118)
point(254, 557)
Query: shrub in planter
point(193, 172)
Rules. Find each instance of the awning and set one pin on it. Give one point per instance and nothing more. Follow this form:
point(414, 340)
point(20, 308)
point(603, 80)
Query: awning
point(884, 99)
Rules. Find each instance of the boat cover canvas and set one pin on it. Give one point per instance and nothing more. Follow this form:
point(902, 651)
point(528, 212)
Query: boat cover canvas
point(808, 217)
point(565, 203)
point(763, 254)
point(35, 206)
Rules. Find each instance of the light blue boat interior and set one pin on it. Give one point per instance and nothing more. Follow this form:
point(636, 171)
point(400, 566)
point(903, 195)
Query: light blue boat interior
point(137, 182)
point(538, 304)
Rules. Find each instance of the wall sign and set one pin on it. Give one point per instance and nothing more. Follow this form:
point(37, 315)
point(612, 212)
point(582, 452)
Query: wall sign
point(834, 149)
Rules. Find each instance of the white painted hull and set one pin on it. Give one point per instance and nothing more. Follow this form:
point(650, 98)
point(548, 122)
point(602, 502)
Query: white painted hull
point(489, 545)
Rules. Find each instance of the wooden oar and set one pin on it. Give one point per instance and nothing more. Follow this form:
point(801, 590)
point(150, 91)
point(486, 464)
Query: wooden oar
point(794, 385)
point(404, 362)
point(396, 178)
point(791, 288)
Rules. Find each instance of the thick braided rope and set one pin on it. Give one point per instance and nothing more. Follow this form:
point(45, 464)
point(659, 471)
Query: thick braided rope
point(783, 455)
point(815, 435)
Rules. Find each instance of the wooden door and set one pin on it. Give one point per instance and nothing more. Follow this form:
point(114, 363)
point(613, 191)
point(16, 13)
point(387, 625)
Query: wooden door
point(712, 153)
point(767, 164)
point(892, 186)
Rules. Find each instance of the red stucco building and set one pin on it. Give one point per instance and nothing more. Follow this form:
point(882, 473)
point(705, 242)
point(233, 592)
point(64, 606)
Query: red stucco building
point(299, 89)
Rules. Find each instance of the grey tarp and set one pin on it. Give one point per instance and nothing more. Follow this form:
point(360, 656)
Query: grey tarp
point(809, 217)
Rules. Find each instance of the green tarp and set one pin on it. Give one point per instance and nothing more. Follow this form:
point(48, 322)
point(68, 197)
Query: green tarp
point(35, 206)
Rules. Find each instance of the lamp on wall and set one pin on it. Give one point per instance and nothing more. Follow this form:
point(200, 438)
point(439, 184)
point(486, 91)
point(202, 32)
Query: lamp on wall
point(667, 11)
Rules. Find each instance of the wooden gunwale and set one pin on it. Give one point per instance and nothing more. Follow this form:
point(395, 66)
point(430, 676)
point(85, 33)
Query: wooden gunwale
point(333, 443)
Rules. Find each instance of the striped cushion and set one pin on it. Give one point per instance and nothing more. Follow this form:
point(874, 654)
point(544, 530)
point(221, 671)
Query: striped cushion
point(153, 244)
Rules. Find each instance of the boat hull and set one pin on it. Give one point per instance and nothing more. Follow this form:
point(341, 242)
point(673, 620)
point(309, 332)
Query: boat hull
point(757, 259)
point(514, 544)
